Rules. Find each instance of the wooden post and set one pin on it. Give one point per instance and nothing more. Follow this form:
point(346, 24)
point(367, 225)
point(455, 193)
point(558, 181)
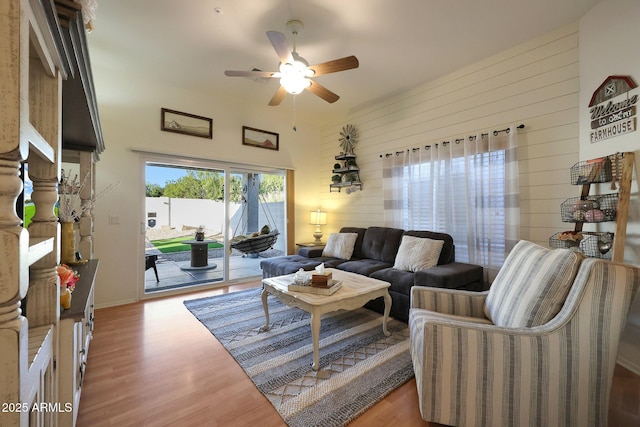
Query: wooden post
point(14, 239)
point(87, 192)
point(622, 215)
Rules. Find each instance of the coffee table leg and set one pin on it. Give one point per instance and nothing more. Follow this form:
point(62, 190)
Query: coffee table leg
point(265, 306)
point(315, 337)
point(387, 310)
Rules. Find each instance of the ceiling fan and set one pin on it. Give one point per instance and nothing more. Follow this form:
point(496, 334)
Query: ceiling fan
point(294, 72)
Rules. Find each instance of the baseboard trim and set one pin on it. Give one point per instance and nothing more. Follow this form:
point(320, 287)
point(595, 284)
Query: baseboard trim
point(626, 363)
point(116, 303)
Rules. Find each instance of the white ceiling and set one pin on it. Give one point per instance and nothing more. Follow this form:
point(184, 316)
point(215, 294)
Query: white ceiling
point(399, 44)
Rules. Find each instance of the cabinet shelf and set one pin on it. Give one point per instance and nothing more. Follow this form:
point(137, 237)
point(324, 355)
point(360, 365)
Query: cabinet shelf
point(38, 145)
point(39, 247)
point(40, 352)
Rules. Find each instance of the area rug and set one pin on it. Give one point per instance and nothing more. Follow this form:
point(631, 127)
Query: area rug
point(359, 365)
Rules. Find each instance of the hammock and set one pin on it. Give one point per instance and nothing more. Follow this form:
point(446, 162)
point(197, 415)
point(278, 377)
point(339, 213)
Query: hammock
point(254, 244)
point(257, 244)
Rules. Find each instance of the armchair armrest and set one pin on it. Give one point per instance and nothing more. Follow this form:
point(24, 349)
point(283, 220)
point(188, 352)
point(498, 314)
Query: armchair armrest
point(454, 275)
point(449, 301)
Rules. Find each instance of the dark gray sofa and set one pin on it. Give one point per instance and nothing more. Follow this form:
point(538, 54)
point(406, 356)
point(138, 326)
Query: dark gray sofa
point(374, 255)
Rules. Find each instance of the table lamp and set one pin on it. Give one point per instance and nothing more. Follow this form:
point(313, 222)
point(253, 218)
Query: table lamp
point(318, 218)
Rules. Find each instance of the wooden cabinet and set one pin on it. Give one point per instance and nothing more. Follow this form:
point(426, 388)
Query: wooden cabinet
point(76, 328)
point(35, 65)
point(30, 99)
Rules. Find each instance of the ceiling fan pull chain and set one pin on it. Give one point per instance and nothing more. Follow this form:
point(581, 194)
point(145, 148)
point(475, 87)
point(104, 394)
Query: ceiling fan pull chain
point(294, 114)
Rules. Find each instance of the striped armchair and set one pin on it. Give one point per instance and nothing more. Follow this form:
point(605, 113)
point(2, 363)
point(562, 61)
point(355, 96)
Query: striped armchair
point(537, 349)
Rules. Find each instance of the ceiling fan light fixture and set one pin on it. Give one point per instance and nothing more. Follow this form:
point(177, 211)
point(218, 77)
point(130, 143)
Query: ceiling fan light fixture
point(293, 76)
point(294, 84)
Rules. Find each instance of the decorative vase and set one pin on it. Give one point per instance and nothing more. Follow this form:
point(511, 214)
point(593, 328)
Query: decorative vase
point(65, 298)
point(67, 243)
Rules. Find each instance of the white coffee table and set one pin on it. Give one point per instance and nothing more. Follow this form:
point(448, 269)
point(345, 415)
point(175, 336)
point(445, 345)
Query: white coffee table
point(356, 291)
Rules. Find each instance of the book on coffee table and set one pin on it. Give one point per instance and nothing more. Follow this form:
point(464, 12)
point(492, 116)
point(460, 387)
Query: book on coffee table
point(330, 290)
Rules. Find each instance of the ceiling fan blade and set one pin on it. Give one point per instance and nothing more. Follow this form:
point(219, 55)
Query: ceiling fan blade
point(278, 97)
point(254, 74)
point(279, 43)
point(322, 92)
point(342, 64)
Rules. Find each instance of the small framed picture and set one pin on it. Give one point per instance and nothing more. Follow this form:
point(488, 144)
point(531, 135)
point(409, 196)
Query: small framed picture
point(260, 138)
point(185, 123)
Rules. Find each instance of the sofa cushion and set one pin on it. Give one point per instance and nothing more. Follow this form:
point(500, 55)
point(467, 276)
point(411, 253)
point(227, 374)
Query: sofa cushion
point(417, 253)
point(531, 286)
point(340, 245)
point(279, 266)
point(381, 244)
point(363, 266)
point(401, 281)
point(447, 254)
point(357, 249)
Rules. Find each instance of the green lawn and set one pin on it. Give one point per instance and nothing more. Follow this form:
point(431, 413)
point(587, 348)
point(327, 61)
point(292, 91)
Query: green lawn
point(175, 245)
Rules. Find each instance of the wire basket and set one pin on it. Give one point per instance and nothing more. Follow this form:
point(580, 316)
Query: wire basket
point(590, 208)
point(591, 244)
point(592, 171)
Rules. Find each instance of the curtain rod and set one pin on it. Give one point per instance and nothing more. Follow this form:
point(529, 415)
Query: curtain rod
point(457, 141)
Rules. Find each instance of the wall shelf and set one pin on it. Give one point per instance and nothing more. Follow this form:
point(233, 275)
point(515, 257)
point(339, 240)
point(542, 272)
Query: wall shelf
point(587, 208)
point(345, 174)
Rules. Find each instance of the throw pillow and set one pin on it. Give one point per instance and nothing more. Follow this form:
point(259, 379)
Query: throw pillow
point(340, 245)
point(532, 285)
point(418, 253)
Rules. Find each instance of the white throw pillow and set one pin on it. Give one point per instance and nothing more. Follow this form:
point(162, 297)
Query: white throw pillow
point(340, 245)
point(418, 253)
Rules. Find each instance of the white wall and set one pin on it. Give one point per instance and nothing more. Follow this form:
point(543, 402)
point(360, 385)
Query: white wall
point(544, 83)
point(609, 37)
point(184, 214)
point(130, 114)
point(535, 83)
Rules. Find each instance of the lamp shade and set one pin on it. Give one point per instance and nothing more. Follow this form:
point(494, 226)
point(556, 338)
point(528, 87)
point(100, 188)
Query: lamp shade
point(318, 217)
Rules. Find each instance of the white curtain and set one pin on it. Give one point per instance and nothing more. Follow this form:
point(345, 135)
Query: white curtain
point(466, 187)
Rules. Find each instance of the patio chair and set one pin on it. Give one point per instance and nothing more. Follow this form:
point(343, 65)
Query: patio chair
point(150, 262)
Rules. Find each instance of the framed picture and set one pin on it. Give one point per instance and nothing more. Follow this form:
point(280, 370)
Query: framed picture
point(187, 124)
point(260, 138)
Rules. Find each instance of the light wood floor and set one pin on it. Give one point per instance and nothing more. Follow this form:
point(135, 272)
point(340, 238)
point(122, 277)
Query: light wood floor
point(153, 364)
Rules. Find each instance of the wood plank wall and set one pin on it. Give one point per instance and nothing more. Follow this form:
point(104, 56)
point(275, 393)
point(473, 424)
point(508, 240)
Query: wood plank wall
point(535, 83)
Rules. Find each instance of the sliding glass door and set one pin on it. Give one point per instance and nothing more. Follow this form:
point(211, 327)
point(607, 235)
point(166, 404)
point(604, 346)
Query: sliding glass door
point(208, 223)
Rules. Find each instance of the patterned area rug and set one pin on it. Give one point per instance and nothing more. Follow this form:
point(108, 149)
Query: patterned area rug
point(359, 365)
